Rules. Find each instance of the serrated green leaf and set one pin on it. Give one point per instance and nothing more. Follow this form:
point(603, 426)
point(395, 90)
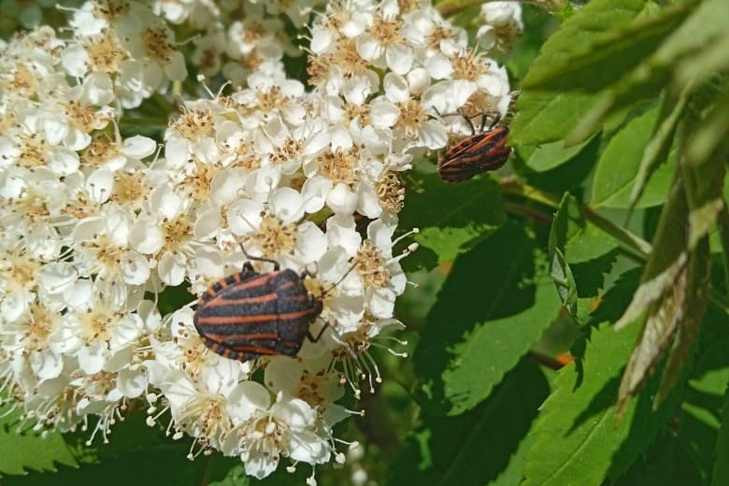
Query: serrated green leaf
point(603, 59)
point(451, 218)
point(22, 450)
point(577, 437)
point(619, 166)
point(139, 468)
point(483, 445)
point(478, 315)
point(577, 432)
point(672, 459)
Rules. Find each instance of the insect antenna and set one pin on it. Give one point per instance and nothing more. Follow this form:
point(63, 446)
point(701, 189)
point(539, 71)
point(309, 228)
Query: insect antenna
point(276, 265)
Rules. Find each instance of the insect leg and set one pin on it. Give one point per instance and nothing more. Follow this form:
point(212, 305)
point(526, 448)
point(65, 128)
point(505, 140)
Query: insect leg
point(315, 339)
point(276, 266)
point(470, 124)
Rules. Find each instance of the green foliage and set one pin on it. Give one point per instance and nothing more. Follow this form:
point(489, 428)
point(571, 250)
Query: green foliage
point(721, 457)
point(548, 116)
point(22, 450)
point(619, 166)
point(579, 436)
point(449, 227)
point(520, 305)
point(479, 446)
point(551, 155)
point(620, 136)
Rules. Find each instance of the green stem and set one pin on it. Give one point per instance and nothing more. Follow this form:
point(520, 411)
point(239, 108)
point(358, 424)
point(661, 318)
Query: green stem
point(723, 225)
point(627, 239)
point(146, 124)
point(528, 212)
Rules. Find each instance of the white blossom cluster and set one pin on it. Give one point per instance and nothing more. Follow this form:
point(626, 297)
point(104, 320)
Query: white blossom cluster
point(95, 225)
point(501, 25)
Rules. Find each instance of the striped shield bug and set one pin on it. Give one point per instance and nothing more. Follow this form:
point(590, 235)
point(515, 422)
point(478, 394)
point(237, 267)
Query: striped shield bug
point(480, 152)
point(249, 314)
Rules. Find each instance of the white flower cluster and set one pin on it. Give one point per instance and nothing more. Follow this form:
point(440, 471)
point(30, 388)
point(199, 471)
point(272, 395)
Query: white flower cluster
point(95, 226)
point(502, 24)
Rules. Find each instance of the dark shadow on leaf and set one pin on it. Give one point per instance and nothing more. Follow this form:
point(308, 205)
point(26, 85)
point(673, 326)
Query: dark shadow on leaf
point(475, 447)
point(422, 259)
point(611, 308)
point(567, 176)
point(590, 275)
point(493, 280)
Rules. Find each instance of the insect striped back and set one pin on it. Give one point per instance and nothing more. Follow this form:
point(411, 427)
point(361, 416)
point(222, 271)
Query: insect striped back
point(249, 314)
point(478, 153)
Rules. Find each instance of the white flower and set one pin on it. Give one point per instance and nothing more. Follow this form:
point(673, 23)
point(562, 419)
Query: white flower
point(273, 230)
point(152, 43)
point(414, 126)
point(502, 24)
point(383, 43)
point(265, 431)
point(97, 334)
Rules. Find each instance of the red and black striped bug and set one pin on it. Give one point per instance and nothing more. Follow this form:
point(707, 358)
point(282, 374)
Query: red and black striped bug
point(480, 152)
point(250, 314)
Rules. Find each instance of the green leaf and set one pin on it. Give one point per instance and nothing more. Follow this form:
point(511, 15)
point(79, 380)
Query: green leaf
point(544, 117)
point(23, 450)
point(558, 235)
point(451, 218)
point(712, 59)
point(708, 23)
point(577, 433)
point(586, 27)
point(582, 241)
point(709, 136)
point(672, 459)
point(658, 305)
point(136, 454)
point(551, 155)
point(226, 471)
point(598, 60)
point(578, 439)
point(682, 454)
point(483, 446)
point(619, 166)
point(496, 302)
point(658, 147)
point(721, 458)
point(580, 255)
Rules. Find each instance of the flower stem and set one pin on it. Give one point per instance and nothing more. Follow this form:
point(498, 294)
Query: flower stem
point(630, 241)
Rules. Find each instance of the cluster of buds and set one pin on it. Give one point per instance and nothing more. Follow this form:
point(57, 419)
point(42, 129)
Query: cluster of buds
point(96, 225)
